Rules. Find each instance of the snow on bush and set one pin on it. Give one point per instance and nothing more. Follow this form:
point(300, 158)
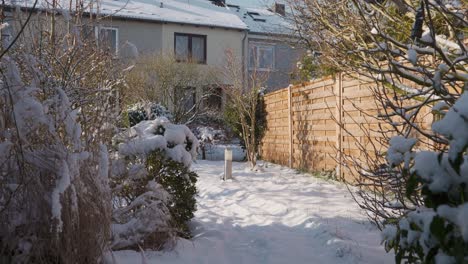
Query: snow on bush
point(208, 138)
point(438, 231)
point(179, 181)
point(210, 134)
point(53, 181)
point(143, 200)
point(146, 111)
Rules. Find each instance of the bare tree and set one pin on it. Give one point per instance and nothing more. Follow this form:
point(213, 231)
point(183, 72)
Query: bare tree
point(416, 54)
point(243, 100)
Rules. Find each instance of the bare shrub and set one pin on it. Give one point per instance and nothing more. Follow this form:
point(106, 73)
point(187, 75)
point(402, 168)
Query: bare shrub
point(244, 104)
point(181, 87)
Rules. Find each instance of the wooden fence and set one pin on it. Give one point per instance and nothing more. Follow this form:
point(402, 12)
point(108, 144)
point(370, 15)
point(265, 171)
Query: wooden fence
point(303, 128)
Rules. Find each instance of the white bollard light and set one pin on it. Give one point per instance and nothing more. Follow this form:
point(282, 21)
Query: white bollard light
point(227, 163)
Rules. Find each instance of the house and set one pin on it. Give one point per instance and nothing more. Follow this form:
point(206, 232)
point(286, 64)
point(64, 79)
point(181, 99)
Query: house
point(272, 45)
point(205, 29)
point(198, 31)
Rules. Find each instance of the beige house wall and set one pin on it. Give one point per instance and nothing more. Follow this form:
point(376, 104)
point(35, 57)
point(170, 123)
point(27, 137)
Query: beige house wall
point(146, 36)
point(150, 36)
point(218, 40)
point(155, 37)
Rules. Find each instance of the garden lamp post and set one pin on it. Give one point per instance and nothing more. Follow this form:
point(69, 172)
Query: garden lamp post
point(227, 163)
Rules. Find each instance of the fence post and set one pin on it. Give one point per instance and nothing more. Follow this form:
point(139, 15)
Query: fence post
point(290, 123)
point(339, 119)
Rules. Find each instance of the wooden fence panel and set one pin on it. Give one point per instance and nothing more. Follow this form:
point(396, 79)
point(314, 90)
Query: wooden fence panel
point(310, 125)
point(275, 143)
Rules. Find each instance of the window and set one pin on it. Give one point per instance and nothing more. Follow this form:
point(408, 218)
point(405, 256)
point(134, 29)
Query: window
point(108, 38)
point(261, 56)
point(215, 99)
point(190, 48)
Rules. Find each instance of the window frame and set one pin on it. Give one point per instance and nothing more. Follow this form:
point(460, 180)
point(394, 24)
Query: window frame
point(98, 32)
point(189, 47)
point(256, 46)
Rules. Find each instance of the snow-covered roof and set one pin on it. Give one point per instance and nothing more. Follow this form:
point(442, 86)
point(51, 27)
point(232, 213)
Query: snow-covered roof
point(197, 12)
point(257, 18)
point(260, 19)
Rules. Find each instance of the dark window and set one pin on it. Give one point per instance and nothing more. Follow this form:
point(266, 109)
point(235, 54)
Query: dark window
point(190, 48)
point(261, 56)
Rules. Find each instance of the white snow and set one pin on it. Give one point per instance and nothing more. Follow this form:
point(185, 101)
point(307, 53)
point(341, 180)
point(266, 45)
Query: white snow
point(262, 20)
point(141, 139)
point(454, 126)
point(62, 184)
point(275, 216)
point(437, 172)
point(457, 215)
point(398, 151)
point(412, 56)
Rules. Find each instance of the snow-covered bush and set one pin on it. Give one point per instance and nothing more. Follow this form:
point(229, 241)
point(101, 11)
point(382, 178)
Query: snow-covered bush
point(146, 111)
point(438, 231)
point(147, 207)
point(209, 136)
point(53, 177)
point(57, 101)
point(179, 181)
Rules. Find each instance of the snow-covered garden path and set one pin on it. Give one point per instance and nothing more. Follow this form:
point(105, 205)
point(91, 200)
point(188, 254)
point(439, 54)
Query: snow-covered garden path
point(276, 216)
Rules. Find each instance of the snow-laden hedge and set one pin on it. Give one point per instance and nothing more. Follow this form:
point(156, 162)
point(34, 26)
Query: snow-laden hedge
point(438, 231)
point(150, 173)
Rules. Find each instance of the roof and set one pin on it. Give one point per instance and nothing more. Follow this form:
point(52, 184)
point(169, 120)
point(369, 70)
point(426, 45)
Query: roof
point(196, 12)
point(257, 18)
point(262, 20)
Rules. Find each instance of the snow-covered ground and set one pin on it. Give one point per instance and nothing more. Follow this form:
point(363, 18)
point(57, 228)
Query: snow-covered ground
point(275, 216)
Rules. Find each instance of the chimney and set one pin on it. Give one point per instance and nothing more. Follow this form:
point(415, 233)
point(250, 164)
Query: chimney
point(280, 9)
point(221, 3)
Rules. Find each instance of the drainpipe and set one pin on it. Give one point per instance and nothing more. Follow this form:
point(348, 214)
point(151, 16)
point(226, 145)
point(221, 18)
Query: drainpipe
point(244, 61)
